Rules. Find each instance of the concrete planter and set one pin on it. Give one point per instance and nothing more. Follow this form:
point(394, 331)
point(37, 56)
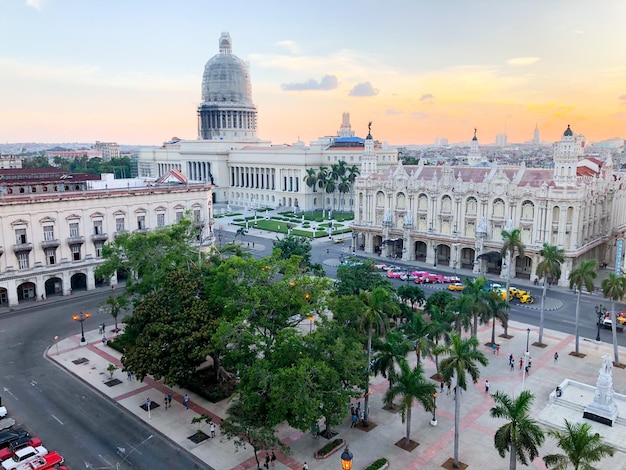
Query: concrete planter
point(339, 446)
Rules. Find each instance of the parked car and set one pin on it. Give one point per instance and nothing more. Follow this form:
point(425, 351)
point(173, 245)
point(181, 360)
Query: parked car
point(18, 444)
point(50, 461)
point(526, 299)
point(23, 455)
point(3, 411)
point(6, 437)
point(380, 266)
point(395, 274)
point(433, 279)
point(607, 323)
point(456, 286)
point(6, 423)
point(408, 277)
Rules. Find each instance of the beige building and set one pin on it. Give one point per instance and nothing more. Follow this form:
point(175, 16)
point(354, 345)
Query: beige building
point(51, 242)
point(454, 215)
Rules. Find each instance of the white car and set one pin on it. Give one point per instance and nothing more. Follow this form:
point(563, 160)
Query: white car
point(22, 456)
point(3, 411)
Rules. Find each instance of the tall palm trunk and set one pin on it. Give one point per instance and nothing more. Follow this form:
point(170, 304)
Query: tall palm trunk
point(493, 331)
point(513, 458)
point(457, 424)
point(508, 286)
point(577, 320)
point(614, 330)
point(366, 410)
point(543, 301)
point(407, 440)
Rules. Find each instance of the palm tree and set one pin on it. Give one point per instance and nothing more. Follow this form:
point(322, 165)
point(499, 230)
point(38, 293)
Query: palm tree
point(463, 309)
point(461, 357)
point(511, 242)
point(311, 178)
point(353, 171)
point(549, 268)
point(439, 329)
point(496, 308)
point(329, 188)
point(614, 288)
point(343, 187)
point(412, 294)
point(521, 435)
point(475, 289)
point(583, 275)
point(416, 330)
point(378, 307)
point(322, 177)
point(582, 447)
point(411, 385)
point(240, 233)
point(114, 306)
point(388, 353)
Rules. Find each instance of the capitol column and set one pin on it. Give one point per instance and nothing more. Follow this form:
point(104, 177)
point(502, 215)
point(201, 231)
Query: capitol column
point(407, 244)
point(387, 224)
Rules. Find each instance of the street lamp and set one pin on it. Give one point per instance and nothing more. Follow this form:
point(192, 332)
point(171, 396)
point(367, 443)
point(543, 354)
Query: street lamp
point(527, 339)
point(346, 459)
point(436, 248)
point(434, 420)
point(601, 312)
point(81, 317)
point(526, 355)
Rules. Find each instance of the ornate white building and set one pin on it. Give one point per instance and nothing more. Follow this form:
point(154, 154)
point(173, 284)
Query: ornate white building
point(51, 235)
point(454, 215)
point(246, 170)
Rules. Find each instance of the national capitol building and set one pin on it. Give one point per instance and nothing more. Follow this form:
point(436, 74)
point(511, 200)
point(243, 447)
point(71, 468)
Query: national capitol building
point(444, 214)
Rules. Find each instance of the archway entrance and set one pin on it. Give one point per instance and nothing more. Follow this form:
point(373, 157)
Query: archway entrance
point(467, 258)
point(420, 251)
point(492, 262)
point(4, 297)
point(54, 286)
point(442, 254)
point(78, 282)
point(378, 243)
point(26, 291)
point(523, 267)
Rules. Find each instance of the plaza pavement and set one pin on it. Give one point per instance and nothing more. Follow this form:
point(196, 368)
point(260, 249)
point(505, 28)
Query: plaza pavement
point(89, 363)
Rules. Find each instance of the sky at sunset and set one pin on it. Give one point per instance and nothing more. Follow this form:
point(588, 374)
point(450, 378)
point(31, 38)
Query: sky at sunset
point(130, 71)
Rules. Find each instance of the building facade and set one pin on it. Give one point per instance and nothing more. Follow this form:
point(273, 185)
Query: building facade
point(246, 170)
point(51, 243)
point(454, 215)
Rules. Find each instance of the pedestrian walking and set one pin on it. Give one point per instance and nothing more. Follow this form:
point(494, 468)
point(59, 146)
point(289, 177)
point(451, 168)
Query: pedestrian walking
point(511, 360)
point(212, 428)
point(186, 401)
point(556, 356)
point(129, 375)
point(494, 346)
point(512, 364)
point(305, 466)
point(354, 420)
point(521, 363)
point(165, 401)
point(486, 386)
point(497, 349)
point(169, 399)
point(448, 390)
point(267, 461)
point(527, 368)
point(441, 387)
point(104, 339)
point(273, 459)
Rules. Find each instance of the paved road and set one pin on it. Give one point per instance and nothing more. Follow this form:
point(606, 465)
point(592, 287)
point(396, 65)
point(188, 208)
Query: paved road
point(65, 413)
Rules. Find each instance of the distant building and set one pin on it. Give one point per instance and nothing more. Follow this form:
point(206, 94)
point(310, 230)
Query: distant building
point(109, 150)
point(53, 225)
point(10, 161)
point(444, 141)
point(501, 140)
point(536, 137)
point(72, 154)
point(454, 215)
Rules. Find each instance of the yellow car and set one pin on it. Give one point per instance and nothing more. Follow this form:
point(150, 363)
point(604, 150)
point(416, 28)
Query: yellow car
point(456, 286)
point(526, 299)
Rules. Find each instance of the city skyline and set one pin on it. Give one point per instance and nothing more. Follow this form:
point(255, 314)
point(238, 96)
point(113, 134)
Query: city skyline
point(131, 72)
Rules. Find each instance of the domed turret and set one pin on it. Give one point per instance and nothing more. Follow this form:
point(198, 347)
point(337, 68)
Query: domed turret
point(568, 132)
point(227, 110)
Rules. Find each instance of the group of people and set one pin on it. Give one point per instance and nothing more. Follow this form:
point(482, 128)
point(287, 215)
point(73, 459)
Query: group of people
point(270, 458)
point(357, 414)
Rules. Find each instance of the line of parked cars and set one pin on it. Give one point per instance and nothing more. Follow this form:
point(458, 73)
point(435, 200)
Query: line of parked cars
point(20, 451)
point(419, 277)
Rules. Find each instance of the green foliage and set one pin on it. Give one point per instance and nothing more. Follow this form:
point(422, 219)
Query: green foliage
point(353, 279)
point(111, 370)
point(520, 435)
point(328, 448)
point(380, 463)
point(114, 305)
point(292, 245)
point(38, 161)
point(581, 446)
point(120, 167)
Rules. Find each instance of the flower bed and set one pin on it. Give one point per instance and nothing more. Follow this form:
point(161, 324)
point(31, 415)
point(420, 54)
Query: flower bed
point(330, 448)
point(380, 464)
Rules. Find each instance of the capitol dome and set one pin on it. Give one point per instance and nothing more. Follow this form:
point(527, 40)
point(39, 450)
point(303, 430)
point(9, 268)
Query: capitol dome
point(226, 76)
point(227, 111)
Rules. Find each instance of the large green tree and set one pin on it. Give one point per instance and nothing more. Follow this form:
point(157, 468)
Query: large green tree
point(496, 308)
point(582, 276)
point(411, 385)
point(390, 353)
point(521, 435)
point(460, 359)
point(360, 277)
point(291, 245)
point(581, 446)
point(614, 288)
point(548, 269)
point(114, 305)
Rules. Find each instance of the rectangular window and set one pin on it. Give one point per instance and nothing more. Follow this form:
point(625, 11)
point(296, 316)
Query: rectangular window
point(51, 256)
point(48, 233)
point(74, 231)
point(160, 220)
point(20, 236)
point(75, 252)
point(98, 246)
point(22, 259)
point(119, 225)
point(179, 216)
point(196, 215)
point(97, 227)
point(141, 222)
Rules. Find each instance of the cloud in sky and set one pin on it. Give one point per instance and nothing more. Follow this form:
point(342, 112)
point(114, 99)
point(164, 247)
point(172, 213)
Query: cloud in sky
point(392, 112)
point(427, 96)
point(419, 115)
point(522, 61)
point(36, 4)
point(291, 46)
point(328, 82)
point(363, 89)
point(622, 100)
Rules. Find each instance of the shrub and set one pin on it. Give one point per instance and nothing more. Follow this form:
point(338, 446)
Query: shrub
point(380, 463)
point(330, 447)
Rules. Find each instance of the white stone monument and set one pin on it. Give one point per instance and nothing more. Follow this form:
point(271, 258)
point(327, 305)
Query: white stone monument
point(603, 409)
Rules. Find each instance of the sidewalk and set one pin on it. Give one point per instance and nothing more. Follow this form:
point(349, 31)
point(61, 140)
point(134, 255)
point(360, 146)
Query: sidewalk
point(89, 363)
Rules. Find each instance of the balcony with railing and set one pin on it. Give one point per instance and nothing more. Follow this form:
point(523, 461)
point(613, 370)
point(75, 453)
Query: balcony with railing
point(22, 246)
point(50, 243)
point(76, 240)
